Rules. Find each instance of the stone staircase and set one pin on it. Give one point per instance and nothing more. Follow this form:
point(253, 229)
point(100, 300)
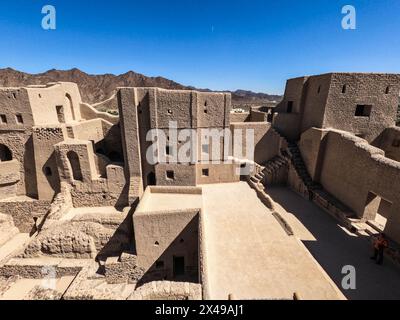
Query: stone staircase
point(321, 197)
point(275, 171)
point(300, 167)
point(258, 176)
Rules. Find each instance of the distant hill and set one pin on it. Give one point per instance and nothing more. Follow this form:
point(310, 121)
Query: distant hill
point(97, 88)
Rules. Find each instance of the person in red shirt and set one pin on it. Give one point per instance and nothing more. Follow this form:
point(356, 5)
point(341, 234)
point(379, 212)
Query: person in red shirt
point(380, 244)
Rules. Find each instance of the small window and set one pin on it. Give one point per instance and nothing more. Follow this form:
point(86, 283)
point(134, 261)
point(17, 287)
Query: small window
point(48, 172)
point(289, 107)
point(3, 119)
point(363, 110)
point(205, 110)
point(205, 172)
point(205, 103)
point(396, 143)
point(170, 111)
point(159, 264)
point(387, 91)
point(344, 89)
point(14, 95)
point(170, 175)
point(319, 89)
point(156, 243)
point(19, 119)
point(39, 95)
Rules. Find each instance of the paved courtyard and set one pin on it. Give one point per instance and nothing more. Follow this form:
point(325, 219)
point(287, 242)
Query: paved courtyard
point(250, 255)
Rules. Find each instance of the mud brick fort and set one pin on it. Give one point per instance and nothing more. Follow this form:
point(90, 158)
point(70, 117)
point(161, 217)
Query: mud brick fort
point(83, 208)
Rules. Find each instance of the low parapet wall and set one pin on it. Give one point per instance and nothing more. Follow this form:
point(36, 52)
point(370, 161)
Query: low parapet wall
point(167, 290)
point(182, 190)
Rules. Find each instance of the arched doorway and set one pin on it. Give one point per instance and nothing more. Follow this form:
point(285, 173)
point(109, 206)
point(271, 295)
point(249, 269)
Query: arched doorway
point(5, 153)
point(75, 165)
point(69, 105)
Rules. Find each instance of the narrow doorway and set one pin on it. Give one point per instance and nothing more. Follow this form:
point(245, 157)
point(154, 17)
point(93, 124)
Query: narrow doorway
point(377, 210)
point(60, 114)
point(151, 179)
point(179, 266)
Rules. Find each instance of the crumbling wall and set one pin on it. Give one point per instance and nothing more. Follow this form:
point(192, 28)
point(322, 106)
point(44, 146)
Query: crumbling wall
point(24, 212)
point(162, 290)
point(84, 236)
point(9, 178)
point(21, 146)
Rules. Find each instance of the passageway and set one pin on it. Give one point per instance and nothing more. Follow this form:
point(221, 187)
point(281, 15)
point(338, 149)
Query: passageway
point(333, 247)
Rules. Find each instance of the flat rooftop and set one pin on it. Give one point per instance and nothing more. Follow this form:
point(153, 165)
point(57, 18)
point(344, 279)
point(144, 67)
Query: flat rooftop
point(158, 199)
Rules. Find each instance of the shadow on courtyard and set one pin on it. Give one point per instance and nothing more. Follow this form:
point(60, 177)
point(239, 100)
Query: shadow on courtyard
point(334, 248)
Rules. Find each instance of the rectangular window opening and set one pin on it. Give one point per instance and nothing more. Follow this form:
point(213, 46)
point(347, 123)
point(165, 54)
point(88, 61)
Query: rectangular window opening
point(363, 110)
point(170, 175)
point(3, 119)
point(168, 150)
point(19, 119)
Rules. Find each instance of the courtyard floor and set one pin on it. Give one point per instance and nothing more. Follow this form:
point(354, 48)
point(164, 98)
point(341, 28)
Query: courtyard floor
point(248, 253)
point(334, 247)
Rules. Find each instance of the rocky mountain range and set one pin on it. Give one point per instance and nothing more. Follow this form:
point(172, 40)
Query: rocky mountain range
point(97, 88)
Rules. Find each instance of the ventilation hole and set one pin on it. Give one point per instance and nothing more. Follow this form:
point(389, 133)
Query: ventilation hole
point(156, 243)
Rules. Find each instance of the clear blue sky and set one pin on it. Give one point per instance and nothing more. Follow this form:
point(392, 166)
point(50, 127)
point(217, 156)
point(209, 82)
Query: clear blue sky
point(253, 44)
